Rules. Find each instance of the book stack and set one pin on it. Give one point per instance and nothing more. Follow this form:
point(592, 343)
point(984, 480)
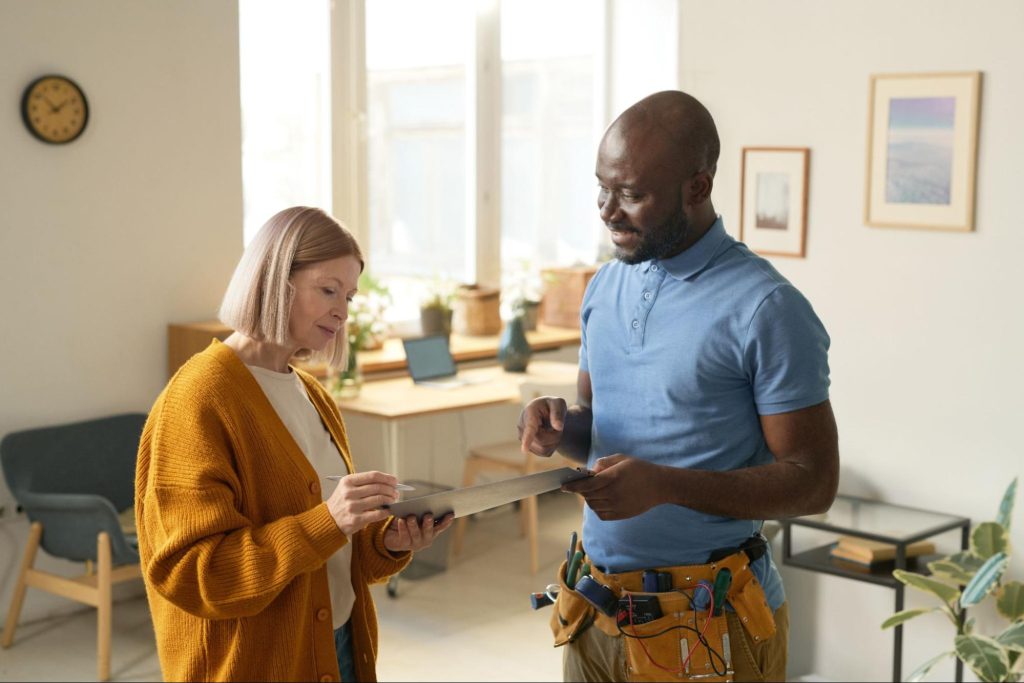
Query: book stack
point(865, 552)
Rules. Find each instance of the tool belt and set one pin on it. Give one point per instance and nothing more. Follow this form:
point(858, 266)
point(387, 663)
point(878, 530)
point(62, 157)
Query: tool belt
point(683, 642)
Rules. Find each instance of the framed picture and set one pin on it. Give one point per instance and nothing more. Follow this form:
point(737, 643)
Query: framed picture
point(773, 199)
point(922, 147)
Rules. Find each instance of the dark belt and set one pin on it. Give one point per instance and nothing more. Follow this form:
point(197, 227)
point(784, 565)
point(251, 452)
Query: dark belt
point(755, 547)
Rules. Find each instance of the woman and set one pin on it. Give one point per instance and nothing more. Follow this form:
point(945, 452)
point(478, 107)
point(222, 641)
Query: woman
point(252, 573)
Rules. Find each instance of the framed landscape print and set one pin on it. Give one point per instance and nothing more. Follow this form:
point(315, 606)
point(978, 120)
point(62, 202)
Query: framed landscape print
point(922, 149)
point(773, 199)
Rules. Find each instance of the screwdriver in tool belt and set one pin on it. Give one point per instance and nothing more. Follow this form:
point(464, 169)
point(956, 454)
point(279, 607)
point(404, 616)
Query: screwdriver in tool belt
point(573, 569)
point(722, 580)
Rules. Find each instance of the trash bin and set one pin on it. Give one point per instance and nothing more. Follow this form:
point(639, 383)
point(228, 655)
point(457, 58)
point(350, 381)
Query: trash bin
point(434, 559)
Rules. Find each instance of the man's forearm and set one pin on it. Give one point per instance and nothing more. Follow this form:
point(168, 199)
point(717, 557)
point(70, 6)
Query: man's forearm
point(575, 443)
point(771, 491)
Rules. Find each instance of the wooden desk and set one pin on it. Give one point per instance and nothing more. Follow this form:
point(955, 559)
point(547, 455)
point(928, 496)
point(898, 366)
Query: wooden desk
point(392, 400)
point(186, 339)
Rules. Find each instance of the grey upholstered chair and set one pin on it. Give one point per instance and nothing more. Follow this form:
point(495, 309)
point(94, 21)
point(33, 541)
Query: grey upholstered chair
point(73, 481)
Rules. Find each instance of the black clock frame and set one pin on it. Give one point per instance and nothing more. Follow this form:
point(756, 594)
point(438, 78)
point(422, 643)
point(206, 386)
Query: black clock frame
point(28, 123)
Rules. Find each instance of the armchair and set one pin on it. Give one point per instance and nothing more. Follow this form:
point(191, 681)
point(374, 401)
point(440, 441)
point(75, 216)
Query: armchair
point(73, 480)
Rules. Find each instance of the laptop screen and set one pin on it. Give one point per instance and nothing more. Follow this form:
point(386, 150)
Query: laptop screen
point(429, 358)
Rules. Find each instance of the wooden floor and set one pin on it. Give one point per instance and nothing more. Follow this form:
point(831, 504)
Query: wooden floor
point(471, 622)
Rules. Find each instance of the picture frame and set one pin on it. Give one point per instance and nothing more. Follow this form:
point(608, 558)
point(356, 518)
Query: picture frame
point(773, 199)
point(922, 150)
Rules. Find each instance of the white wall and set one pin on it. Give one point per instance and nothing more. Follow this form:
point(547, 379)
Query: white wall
point(927, 328)
point(136, 224)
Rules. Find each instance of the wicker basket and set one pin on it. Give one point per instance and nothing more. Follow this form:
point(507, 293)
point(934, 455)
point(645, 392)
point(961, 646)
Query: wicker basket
point(476, 311)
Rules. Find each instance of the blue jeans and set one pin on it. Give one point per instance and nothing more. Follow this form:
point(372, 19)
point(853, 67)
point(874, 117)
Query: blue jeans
point(346, 658)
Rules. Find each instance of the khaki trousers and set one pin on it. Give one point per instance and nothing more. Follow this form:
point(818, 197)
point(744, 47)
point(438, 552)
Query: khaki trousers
point(595, 656)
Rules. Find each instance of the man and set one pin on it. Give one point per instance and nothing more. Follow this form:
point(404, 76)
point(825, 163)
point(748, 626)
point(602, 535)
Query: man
point(702, 398)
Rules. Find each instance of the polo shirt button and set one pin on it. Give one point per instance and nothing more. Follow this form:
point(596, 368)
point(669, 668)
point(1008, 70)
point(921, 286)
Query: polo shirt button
point(647, 296)
point(654, 267)
point(326, 677)
point(322, 614)
point(636, 324)
point(314, 487)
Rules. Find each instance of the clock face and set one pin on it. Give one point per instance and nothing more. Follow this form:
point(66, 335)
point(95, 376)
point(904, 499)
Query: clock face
point(54, 109)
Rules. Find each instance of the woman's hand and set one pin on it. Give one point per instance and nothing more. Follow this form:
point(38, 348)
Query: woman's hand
point(359, 499)
point(406, 534)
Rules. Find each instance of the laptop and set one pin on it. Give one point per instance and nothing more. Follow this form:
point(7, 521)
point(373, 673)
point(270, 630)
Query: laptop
point(431, 364)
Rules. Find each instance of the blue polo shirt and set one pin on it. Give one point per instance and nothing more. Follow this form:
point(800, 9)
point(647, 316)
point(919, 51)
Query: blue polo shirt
point(684, 354)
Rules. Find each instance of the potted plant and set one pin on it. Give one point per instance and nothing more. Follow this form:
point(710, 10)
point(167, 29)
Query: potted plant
point(980, 571)
point(436, 308)
point(366, 313)
point(522, 293)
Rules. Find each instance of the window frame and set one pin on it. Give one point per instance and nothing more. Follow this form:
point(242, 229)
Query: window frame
point(350, 180)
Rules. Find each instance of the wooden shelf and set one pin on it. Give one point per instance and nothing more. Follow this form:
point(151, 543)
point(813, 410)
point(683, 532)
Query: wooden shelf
point(186, 339)
point(819, 560)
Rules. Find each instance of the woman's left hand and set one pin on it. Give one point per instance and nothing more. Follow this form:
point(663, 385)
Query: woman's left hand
point(407, 534)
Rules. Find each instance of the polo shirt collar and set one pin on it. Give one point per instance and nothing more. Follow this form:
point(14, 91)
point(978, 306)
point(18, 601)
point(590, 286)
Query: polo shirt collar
point(690, 262)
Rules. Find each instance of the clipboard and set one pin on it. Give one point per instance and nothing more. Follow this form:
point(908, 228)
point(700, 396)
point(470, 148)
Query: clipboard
point(473, 499)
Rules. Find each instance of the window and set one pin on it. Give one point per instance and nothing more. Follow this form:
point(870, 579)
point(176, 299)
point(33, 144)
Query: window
point(418, 99)
point(285, 90)
point(411, 197)
point(549, 67)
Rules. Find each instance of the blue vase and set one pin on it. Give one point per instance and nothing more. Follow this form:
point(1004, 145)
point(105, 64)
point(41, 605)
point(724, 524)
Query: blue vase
point(513, 350)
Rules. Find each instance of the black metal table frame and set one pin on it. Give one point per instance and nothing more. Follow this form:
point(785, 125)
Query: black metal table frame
point(900, 562)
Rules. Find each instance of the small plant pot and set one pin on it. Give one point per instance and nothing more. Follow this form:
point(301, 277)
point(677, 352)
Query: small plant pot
point(434, 320)
point(529, 315)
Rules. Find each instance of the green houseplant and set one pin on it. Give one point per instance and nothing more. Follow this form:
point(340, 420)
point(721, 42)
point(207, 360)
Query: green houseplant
point(366, 330)
point(522, 292)
point(436, 308)
point(964, 580)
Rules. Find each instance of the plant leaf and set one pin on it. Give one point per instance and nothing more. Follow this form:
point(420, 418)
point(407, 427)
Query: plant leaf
point(1010, 600)
point(983, 581)
point(988, 539)
point(945, 592)
point(945, 569)
point(1013, 637)
point(1006, 506)
point(906, 615)
point(966, 560)
point(986, 656)
point(922, 671)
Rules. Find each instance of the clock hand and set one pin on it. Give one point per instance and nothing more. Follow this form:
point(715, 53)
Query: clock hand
point(60, 106)
point(53, 107)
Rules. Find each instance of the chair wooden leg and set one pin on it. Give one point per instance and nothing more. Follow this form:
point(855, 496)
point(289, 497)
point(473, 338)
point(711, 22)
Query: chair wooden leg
point(28, 560)
point(524, 519)
point(104, 606)
point(468, 477)
point(531, 533)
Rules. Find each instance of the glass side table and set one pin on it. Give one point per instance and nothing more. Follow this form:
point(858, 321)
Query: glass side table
point(895, 524)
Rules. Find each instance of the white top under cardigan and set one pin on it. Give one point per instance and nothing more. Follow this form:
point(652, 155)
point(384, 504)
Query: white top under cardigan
point(288, 396)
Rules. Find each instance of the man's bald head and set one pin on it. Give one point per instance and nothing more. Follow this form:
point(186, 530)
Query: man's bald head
point(681, 122)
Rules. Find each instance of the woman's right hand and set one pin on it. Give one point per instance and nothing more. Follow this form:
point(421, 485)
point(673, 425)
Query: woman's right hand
point(359, 498)
point(541, 424)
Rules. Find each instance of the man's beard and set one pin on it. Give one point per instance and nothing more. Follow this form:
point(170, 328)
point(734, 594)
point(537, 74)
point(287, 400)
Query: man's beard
point(660, 241)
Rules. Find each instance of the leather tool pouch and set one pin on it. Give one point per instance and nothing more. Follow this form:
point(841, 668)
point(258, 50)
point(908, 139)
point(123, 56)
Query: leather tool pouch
point(656, 650)
point(748, 599)
point(572, 614)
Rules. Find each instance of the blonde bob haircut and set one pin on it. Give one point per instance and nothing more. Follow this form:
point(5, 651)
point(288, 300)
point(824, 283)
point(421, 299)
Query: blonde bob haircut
point(258, 300)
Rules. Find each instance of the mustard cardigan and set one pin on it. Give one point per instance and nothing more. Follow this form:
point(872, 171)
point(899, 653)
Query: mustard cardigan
point(233, 534)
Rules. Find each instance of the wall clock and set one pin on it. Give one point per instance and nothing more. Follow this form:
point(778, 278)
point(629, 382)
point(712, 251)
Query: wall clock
point(54, 109)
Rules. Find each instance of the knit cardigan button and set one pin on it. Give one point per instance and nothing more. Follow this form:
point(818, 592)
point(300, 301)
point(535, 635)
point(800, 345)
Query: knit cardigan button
point(326, 677)
point(322, 614)
point(314, 487)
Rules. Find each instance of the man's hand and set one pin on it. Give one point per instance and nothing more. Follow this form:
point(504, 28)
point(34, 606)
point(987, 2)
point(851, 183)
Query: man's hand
point(407, 534)
point(622, 487)
point(541, 424)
